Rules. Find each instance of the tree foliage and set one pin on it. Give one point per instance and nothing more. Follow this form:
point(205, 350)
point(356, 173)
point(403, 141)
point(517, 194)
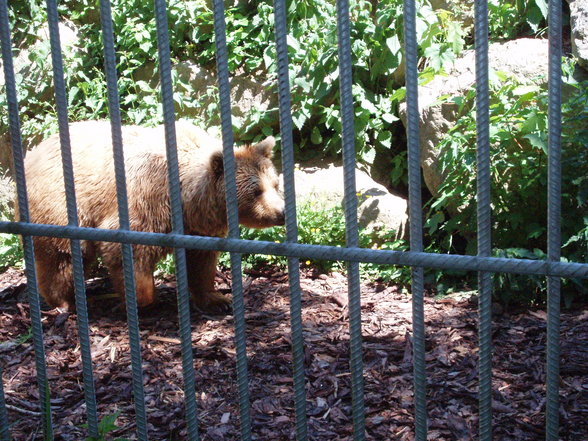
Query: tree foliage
point(518, 112)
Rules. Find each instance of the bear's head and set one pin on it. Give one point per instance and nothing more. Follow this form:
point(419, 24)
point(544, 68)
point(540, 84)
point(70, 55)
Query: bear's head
point(261, 203)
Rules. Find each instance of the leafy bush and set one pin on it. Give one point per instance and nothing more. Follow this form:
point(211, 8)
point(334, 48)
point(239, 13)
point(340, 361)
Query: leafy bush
point(376, 31)
point(518, 142)
point(105, 426)
point(317, 225)
point(11, 253)
point(509, 19)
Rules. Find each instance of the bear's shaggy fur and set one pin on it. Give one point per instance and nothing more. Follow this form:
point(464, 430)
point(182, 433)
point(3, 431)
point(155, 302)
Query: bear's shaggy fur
point(203, 198)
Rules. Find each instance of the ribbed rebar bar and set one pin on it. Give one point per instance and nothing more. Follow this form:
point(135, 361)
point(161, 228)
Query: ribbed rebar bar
point(229, 168)
point(123, 215)
point(4, 426)
point(281, 31)
point(72, 217)
point(484, 212)
point(416, 216)
point(554, 218)
point(23, 209)
point(177, 218)
point(351, 226)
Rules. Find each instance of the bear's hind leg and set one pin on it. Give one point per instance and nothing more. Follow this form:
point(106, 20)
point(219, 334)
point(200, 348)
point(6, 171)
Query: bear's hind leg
point(146, 294)
point(144, 285)
point(201, 267)
point(144, 262)
point(54, 276)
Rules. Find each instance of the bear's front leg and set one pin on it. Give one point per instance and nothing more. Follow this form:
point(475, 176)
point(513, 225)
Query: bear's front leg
point(201, 266)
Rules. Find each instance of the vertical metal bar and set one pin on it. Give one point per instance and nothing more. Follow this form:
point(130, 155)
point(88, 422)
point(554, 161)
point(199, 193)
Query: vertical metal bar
point(554, 218)
point(72, 217)
point(233, 216)
point(484, 212)
point(4, 426)
point(123, 215)
point(23, 208)
point(291, 225)
point(416, 222)
point(177, 219)
point(351, 227)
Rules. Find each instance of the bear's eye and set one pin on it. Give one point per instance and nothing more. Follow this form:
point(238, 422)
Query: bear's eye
point(257, 192)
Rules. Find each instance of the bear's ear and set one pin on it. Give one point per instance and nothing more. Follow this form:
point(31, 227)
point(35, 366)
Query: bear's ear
point(266, 147)
point(216, 163)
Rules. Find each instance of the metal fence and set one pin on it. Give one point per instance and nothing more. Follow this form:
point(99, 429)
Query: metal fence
point(552, 267)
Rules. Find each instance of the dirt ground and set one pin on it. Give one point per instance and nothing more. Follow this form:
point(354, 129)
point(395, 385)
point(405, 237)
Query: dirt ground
point(518, 365)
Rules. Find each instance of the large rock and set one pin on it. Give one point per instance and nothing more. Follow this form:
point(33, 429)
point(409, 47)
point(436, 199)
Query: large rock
point(247, 93)
point(579, 25)
point(525, 59)
point(377, 207)
point(34, 76)
point(5, 154)
point(7, 197)
point(33, 63)
point(462, 10)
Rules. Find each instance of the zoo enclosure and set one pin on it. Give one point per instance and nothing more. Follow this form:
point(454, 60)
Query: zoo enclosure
point(552, 268)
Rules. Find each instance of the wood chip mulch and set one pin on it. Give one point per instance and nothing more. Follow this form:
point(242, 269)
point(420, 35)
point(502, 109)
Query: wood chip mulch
point(518, 365)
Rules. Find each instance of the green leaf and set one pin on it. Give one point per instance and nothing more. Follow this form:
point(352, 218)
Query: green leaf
point(455, 36)
point(293, 43)
point(267, 131)
point(315, 136)
point(537, 141)
point(543, 7)
point(369, 106)
point(368, 155)
point(530, 124)
point(393, 44)
point(298, 119)
point(385, 138)
point(303, 83)
point(526, 91)
point(534, 18)
point(434, 221)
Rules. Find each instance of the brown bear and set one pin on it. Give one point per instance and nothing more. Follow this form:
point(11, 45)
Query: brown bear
point(203, 198)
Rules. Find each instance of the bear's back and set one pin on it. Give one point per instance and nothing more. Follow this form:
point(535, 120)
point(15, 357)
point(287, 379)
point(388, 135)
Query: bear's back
point(95, 183)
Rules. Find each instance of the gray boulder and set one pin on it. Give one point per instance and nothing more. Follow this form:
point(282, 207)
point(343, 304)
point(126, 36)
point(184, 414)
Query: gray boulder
point(463, 10)
point(579, 25)
point(5, 154)
point(34, 76)
point(33, 63)
point(377, 207)
point(247, 93)
point(7, 197)
point(525, 59)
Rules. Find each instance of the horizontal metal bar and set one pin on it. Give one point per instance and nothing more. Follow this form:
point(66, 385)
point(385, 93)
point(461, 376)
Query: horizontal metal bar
point(321, 252)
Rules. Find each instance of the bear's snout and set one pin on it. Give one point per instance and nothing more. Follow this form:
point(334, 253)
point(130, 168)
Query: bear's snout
point(274, 203)
point(281, 218)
